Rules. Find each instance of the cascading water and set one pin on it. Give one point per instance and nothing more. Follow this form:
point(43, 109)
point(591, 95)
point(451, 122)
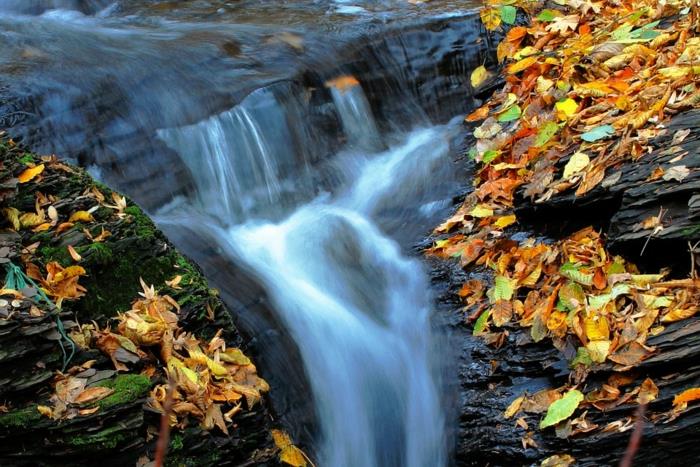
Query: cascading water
point(356, 307)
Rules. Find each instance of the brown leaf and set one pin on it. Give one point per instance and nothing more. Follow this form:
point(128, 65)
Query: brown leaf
point(502, 312)
point(93, 394)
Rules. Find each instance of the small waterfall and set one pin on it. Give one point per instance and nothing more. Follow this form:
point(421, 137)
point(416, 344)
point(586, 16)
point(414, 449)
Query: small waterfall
point(353, 110)
point(234, 167)
point(356, 307)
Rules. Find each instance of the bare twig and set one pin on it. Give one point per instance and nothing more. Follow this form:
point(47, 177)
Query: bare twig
point(636, 438)
point(656, 230)
point(164, 432)
point(693, 250)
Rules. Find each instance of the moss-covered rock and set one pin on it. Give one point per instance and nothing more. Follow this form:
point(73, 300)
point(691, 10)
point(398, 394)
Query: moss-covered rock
point(117, 247)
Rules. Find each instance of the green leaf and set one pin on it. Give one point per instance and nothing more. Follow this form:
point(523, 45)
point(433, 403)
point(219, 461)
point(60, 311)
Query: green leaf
point(582, 358)
point(597, 133)
point(480, 324)
point(546, 132)
point(511, 114)
point(503, 288)
point(547, 15)
point(472, 153)
point(508, 14)
point(570, 271)
point(490, 156)
point(562, 409)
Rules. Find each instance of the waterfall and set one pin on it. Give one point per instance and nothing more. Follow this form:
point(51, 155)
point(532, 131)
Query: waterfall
point(357, 308)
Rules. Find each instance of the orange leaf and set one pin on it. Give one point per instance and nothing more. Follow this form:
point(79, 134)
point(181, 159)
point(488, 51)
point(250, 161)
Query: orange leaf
point(479, 114)
point(30, 173)
point(343, 83)
point(689, 395)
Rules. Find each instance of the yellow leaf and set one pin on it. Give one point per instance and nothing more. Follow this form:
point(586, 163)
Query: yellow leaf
point(81, 216)
point(577, 163)
point(678, 314)
point(479, 75)
point(289, 454)
point(30, 173)
point(45, 411)
point(675, 72)
point(594, 88)
point(521, 65)
point(491, 18)
point(514, 407)
point(12, 215)
point(544, 84)
point(566, 108)
point(174, 282)
point(29, 219)
point(597, 328)
point(558, 460)
point(598, 350)
point(505, 221)
point(481, 210)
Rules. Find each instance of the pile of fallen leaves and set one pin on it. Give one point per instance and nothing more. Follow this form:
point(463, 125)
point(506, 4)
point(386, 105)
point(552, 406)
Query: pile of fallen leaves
point(206, 380)
point(588, 85)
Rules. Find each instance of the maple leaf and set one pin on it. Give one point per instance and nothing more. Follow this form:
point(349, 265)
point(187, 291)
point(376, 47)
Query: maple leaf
point(563, 24)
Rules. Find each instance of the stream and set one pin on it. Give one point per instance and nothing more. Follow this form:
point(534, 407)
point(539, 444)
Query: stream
point(284, 140)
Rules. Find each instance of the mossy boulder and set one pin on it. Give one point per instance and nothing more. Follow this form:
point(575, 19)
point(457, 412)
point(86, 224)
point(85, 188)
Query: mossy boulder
point(118, 245)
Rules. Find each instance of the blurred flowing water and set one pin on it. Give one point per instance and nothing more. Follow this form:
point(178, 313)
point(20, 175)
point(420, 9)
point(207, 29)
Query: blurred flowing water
point(223, 120)
point(355, 305)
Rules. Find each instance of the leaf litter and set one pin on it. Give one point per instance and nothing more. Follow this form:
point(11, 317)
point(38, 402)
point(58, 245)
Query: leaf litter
point(593, 83)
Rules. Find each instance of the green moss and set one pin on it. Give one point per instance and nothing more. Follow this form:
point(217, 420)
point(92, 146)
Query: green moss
point(176, 442)
point(26, 159)
point(691, 232)
point(143, 226)
point(102, 214)
point(108, 438)
point(21, 418)
point(213, 457)
point(55, 253)
point(98, 253)
point(127, 388)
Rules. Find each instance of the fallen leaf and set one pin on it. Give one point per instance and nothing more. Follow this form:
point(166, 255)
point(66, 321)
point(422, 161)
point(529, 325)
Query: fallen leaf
point(491, 17)
point(343, 83)
point(566, 108)
point(647, 392)
point(677, 172)
point(598, 133)
point(74, 254)
point(30, 173)
point(562, 408)
point(289, 454)
point(689, 395)
point(514, 407)
point(81, 216)
point(558, 460)
point(576, 164)
point(479, 75)
point(92, 394)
